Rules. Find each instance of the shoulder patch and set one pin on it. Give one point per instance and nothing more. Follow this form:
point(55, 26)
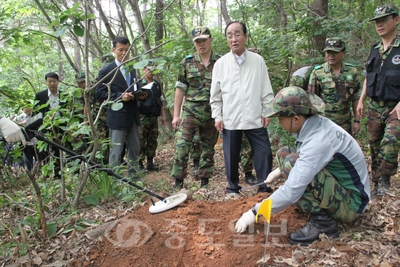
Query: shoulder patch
point(317, 67)
point(349, 64)
point(189, 56)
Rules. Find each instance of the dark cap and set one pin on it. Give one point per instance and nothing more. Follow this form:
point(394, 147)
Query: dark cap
point(385, 10)
point(334, 44)
point(201, 32)
point(80, 77)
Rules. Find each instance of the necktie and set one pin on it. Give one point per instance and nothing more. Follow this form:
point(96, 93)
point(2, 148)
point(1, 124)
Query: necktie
point(127, 76)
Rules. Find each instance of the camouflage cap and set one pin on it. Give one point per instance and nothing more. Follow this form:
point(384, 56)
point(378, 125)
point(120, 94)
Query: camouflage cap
point(385, 10)
point(107, 59)
point(80, 77)
point(334, 44)
point(201, 32)
point(292, 101)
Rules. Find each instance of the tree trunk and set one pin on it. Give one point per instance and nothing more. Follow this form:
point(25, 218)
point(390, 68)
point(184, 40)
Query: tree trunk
point(159, 25)
point(103, 17)
point(224, 12)
point(139, 23)
point(319, 10)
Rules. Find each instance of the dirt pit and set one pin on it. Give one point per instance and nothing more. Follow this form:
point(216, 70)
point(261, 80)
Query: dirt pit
point(196, 233)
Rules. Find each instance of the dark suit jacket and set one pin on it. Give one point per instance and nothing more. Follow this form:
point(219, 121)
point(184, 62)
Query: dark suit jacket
point(43, 98)
point(124, 118)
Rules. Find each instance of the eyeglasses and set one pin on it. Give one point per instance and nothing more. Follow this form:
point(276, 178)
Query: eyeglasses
point(236, 36)
point(383, 20)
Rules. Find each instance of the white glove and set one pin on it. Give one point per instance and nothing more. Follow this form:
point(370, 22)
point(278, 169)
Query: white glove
point(273, 175)
point(11, 131)
point(244, 221)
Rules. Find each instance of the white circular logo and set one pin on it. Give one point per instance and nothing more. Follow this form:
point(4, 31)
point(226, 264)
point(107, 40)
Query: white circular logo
point(396, 60)
point(128, 233)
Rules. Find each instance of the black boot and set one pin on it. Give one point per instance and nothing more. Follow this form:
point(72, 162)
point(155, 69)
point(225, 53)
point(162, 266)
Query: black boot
point(204, 183)
point(178, 184)
point(249, 178)
point(319, 223)
point(141, 166)
point(151, 166)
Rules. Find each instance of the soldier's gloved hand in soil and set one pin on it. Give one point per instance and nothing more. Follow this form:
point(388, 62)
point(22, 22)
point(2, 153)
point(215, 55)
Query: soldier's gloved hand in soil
point(273, 175)
point(11, 131)
point(244, 221)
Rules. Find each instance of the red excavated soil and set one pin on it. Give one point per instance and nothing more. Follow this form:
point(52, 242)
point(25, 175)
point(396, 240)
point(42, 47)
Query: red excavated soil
point(195, 234)
point(200, 231)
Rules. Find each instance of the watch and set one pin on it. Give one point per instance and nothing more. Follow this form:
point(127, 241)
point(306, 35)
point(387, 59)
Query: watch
point(356, 121)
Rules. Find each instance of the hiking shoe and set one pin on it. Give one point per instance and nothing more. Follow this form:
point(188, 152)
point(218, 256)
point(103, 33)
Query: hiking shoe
point(383, 185)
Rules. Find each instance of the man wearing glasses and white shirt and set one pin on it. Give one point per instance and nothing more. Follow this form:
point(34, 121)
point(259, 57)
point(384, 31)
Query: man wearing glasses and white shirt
point(240, 91)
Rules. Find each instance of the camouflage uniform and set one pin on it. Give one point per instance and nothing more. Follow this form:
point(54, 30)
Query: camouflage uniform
point(383, 88)
point(326, 175)
point(149, 121)
point(196, 116)
point(338, 92)
point(246, 153)
point(195, 148)
point(301, 77)
point(332, 186)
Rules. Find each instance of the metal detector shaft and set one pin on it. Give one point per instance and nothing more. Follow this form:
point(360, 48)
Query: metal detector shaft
point(96, 166)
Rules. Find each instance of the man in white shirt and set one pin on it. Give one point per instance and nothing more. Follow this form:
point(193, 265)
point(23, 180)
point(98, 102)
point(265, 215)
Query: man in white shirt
point(240, 91)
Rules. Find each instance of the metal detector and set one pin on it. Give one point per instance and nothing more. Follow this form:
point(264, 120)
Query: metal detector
point(163, 204)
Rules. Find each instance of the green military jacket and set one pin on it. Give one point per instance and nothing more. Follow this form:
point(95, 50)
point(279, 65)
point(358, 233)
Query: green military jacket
point(195, 79)
point(339, 92)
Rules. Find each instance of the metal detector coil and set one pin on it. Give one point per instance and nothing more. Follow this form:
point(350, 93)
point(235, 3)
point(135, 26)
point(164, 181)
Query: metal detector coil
point(168, 203)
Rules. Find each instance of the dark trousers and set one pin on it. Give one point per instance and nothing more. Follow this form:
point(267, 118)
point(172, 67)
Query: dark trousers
point(262, 157)
point(29, 156)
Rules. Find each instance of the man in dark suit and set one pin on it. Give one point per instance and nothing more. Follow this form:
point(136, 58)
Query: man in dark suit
point(123, 123)
point(46, 100)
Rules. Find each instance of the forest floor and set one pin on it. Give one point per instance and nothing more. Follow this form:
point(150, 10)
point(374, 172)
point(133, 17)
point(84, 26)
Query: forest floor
point(200, 232)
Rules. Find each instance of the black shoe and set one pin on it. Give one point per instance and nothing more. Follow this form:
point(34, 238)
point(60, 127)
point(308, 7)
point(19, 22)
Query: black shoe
point(249, 178)
point(178, 184)
point(204, 183)
point(151, 166)
point(141, 166)
point(264, 189)
point(319, 223)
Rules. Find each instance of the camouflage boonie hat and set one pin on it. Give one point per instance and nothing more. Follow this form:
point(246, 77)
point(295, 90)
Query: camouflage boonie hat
point(201, 32)
point(107, 59)
point(80, 77)
point(385, 10)
point(334, 44)
point(292, 101)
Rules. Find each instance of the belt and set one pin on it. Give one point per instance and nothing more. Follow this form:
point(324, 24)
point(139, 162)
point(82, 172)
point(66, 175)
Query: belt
point(382, 103)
